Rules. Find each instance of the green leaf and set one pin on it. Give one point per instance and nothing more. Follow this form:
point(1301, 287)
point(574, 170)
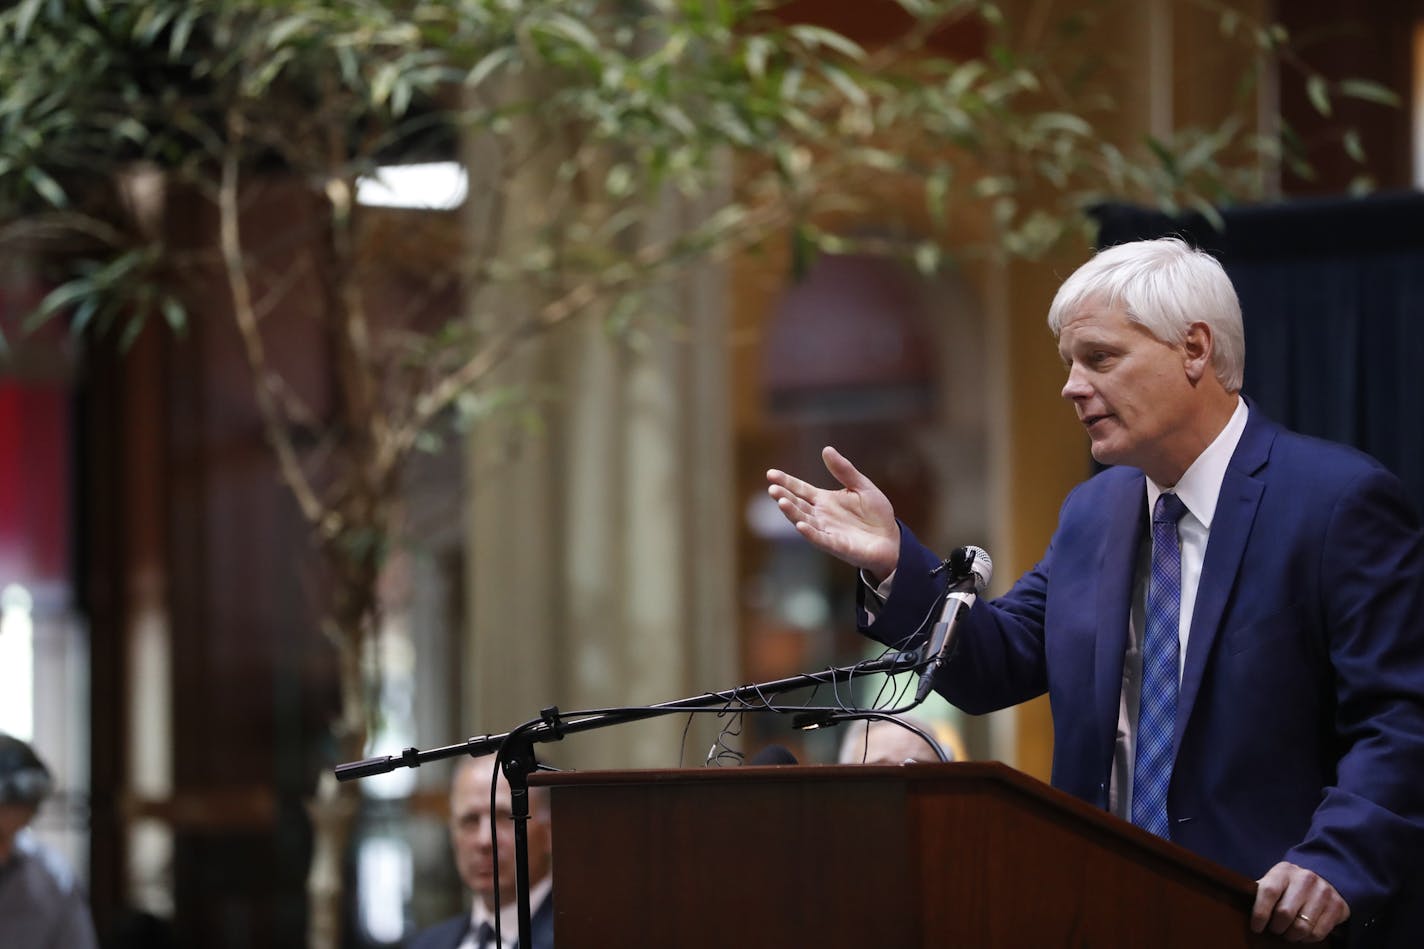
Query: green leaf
point(845, 84)
point(815, 36)
point(383, 83)
point(561, 24)
point(46, 186)
point(791, 83)
point(130, 333)
point(619, 182)
point(991, 186)
point(758, 51)
point(174, 314)
point(964, 77)
point(1319, 92)
point(1063, 122)
point(1163, 153)
point(879, 159)
point(488, 64)
point(937, 193)
point(347, 59)
point(1368, 91)
point(83, 313)
point(1361, 185)
point(283, 30)
point(927, 257)
point(150, 23)
point(1353, 147)
point(182, 32)
point(400, 97)
point(1208, 211)
point(64, 295)
point(132, 129)
point(25, 19)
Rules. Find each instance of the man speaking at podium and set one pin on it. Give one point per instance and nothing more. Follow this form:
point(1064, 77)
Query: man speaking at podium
point(1229, 621)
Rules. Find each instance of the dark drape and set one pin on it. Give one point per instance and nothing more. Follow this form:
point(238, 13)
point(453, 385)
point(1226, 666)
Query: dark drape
point(1332, 293)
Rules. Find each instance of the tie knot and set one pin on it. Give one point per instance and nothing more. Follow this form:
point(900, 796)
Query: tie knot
point(1169, 509)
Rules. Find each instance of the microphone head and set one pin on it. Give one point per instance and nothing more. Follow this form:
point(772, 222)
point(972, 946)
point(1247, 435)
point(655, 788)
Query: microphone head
point(971, 561)
point(773, 754)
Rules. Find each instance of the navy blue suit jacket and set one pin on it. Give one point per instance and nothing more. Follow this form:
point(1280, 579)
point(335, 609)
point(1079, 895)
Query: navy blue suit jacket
point(449, 933)
point(1300, 722)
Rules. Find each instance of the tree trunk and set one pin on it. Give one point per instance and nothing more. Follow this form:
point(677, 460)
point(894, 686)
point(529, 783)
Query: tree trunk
point(333, 814)
point(333, 810)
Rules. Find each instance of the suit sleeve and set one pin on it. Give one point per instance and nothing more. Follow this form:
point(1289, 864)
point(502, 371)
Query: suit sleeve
point(1367, 835)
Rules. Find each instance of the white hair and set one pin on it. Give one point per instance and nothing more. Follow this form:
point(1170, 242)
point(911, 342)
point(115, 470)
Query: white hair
point(1164, 286)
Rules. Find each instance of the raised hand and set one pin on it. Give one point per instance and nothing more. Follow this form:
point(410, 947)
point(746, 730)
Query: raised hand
point(855, 523)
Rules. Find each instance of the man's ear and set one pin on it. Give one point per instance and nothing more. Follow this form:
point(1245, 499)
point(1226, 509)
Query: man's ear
point(1196, 352)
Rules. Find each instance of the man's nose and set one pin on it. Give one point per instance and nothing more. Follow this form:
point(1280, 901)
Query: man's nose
point(1076, 387)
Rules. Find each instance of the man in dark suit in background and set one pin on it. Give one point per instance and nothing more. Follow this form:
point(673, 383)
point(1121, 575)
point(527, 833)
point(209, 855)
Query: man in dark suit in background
point(1229, 622)
point(473, 832)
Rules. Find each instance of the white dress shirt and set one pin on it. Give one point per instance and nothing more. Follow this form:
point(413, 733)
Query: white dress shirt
point(508, 915)
point(1198, 488)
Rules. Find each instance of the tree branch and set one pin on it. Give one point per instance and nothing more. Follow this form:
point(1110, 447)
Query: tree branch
point(245, 316)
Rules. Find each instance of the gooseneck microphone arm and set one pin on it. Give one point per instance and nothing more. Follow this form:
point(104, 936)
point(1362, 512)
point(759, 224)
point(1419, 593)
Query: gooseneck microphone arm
point(553, 725)
point(515, 748)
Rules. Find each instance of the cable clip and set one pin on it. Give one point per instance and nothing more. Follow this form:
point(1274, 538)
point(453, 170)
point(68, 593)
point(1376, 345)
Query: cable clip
point(550, 717)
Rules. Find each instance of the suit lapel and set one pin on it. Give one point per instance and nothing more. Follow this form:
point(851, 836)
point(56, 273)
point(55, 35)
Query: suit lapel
point(1117, 559)
point(1230, 529)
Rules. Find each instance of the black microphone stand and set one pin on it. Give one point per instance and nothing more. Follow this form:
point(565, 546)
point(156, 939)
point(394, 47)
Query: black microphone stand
point(515, 749)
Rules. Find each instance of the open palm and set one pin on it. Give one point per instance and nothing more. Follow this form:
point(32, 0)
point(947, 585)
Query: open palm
point(854, 523)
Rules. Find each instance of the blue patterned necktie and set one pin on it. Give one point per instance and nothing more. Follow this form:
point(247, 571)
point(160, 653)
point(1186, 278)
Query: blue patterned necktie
point(1157, 708)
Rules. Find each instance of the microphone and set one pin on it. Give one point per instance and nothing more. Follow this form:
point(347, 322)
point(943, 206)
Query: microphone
point(969, 572)
point(773, 754)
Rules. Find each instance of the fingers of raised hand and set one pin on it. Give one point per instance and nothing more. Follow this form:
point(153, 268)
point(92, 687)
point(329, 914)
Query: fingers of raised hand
point(794, 510)
point(794, 498)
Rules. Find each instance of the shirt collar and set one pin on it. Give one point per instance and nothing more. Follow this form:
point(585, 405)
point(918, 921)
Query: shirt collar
point(1200, 486)
point(509, 912)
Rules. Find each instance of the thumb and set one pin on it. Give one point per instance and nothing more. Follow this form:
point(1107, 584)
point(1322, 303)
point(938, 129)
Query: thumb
point(844, 472)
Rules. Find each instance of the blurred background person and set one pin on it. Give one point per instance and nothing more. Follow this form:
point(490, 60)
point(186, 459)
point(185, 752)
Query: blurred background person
point(887, 741)
point(41, 904)
point(473, 834)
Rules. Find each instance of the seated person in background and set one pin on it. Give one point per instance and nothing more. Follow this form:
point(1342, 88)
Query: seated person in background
point(882, 741)
point(472, 837)
point(41, 905)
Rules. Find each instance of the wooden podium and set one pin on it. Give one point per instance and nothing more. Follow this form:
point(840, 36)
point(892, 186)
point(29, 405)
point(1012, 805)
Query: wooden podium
point(972, 855)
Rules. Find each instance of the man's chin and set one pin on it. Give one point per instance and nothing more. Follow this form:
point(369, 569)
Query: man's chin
point(1103, 454)
point(479, 882)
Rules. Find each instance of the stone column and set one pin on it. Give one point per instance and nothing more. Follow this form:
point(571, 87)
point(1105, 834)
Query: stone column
point(600, 543)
